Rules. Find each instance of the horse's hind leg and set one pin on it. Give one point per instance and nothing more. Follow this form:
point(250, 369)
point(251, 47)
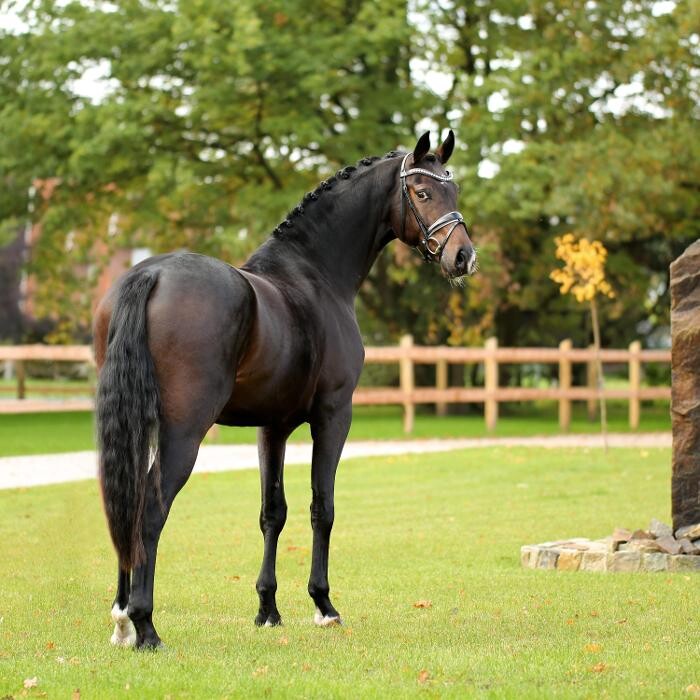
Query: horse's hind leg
point(273, 515)
point(178, 452)
point(124, 634)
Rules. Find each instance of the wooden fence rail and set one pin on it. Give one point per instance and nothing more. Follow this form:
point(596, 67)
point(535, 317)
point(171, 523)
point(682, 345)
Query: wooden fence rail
point(407, 394)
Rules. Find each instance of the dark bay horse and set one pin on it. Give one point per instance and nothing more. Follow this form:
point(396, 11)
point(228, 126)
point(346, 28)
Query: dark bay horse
point(183, 341)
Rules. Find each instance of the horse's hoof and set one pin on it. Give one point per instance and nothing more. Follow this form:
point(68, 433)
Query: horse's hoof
point(271, 620)
point(322, 620)
point(124, 634)
point(150, 645)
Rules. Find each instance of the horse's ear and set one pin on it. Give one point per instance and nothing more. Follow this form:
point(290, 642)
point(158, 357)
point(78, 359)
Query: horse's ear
point(422, 147)
point(445, 151)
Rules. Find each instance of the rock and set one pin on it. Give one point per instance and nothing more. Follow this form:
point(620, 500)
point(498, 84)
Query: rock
point(550, 545)
point(569, 560)
point(528, 556)
point(654, 562)
point(604, 545)
point(547, 559)
point(641, 535)
point(684, 562)
point(692, 532)
point(685, 388)
point(668, 545)
point(581, 544)
point(688, 547)
point(620, 534)
point(594, 561)
point(659, 529)
point(625, 562)
point(640, 545)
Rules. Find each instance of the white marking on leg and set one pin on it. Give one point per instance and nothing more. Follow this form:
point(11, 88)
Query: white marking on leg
point(325, 620)
point(124, 634)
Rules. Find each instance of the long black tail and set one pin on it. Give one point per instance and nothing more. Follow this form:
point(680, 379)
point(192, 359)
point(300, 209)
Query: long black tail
point(128, 413)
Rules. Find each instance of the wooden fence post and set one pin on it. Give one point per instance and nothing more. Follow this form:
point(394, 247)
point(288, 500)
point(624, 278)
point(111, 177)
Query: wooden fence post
point(407, 381)
point(441, 385)
point(21, 385)
point(564, 385)
point(635, 377)
point(592, 384)
point(491, 384)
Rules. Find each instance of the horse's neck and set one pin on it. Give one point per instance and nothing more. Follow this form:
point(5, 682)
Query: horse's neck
point(346, 235)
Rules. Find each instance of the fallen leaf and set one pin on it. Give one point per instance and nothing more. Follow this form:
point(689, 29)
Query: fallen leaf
point(283, 641)
point(423, 604)
point(423, 676)
point(75, 695)
point(306, 667)
point(599, 667)
point(621, 622)
point(592, 648)
point(74, 661)
point(31, 682)
point(260, 671)
point(693, 689)
point(594, 613)
point(50, 645)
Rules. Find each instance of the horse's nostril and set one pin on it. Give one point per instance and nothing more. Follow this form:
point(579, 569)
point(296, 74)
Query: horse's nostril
point(461, 260)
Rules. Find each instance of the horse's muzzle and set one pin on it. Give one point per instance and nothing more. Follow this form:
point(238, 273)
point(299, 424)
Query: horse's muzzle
point(464, 262)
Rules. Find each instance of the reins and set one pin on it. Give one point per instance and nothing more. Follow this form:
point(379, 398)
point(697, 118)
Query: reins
point(432, 248)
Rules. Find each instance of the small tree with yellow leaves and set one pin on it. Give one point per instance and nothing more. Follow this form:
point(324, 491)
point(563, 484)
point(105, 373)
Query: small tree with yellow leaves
point(583, 276)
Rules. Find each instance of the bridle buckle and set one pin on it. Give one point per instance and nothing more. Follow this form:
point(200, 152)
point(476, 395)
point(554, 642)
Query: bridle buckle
point(438, 245)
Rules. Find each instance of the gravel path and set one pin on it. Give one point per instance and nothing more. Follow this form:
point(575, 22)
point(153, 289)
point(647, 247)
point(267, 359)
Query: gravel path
point(36, 470)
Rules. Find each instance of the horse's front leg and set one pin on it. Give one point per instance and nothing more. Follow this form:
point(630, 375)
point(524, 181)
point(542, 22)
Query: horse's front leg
point(329, 431)
point(273, 515)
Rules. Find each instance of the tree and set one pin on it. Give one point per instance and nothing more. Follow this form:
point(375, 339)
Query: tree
point(586, 111)
point(215, 118)
point(570, 115)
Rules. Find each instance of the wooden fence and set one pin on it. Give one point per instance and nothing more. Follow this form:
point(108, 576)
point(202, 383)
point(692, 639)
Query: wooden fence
point(407, 394)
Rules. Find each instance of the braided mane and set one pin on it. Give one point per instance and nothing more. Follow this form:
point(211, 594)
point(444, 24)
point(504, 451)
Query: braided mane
point(346, 173)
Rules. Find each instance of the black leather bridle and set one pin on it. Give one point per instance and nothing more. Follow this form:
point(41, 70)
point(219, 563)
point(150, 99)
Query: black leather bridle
point(432, 248)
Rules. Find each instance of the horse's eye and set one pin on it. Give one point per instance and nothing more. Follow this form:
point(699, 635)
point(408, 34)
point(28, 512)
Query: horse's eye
point(423, 194)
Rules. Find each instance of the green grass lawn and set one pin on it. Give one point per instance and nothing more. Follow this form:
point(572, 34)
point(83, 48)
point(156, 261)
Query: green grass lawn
point(42, 433)
point(441, 528)
point(47, 388)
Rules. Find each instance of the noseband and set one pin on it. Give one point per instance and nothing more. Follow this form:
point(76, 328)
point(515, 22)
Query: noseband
point(432, 248)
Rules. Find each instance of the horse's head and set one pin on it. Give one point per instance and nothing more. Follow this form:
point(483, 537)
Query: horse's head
point(427, 211)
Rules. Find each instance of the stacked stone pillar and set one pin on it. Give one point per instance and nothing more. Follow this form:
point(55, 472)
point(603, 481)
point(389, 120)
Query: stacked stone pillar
point(685, 393)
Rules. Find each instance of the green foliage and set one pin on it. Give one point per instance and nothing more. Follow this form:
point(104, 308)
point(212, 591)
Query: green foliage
point(216, 117)
point(602, 99)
